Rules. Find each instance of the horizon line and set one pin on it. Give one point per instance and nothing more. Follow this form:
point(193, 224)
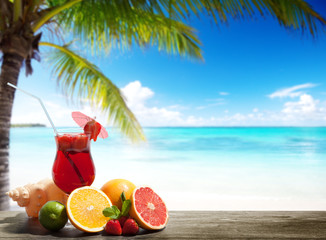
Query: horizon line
point(213, 126)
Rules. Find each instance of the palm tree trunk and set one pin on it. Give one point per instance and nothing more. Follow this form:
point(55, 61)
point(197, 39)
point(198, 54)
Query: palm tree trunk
point(9, 73)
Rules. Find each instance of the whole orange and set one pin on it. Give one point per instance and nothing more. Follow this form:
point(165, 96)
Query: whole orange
point(115, 187)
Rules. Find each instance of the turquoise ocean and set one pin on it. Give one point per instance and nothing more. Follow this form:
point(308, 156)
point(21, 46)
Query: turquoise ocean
point(231, 168)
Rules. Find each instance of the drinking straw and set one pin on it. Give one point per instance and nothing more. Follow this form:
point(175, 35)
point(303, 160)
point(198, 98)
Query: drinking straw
point(46, 112)
point(80, 176)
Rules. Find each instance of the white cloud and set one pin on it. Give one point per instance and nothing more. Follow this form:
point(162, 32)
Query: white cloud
point(306, 105)
point(291, 91)
point(224, 93)
point(137, 95)
point(305, 111)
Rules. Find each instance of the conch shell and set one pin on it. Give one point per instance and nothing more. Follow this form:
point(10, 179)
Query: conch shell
point(34, 196)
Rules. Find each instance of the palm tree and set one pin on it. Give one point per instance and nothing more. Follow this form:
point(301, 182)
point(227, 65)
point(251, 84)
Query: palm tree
point(102, 24)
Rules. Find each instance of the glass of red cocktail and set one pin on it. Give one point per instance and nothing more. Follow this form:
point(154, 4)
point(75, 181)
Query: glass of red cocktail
point(73, 166)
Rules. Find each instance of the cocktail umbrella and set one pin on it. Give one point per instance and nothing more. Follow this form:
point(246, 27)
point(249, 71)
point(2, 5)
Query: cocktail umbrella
point(90, 125)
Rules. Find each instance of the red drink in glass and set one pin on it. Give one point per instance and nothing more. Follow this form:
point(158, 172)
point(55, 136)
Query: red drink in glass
point(73, 165)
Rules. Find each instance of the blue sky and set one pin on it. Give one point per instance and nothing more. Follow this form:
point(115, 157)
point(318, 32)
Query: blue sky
point(255, 73)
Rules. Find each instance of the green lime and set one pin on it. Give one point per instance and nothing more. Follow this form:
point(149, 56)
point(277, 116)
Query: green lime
point(53, 216)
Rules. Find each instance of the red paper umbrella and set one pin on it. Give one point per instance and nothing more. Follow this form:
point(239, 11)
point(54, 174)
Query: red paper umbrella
point(89, 125)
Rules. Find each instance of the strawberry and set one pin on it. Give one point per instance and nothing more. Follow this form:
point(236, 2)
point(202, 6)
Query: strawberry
point(93, 128)
point(130, 227)
point(122, 220)
point(80, 142)
point(64, 142)
point(113, 227)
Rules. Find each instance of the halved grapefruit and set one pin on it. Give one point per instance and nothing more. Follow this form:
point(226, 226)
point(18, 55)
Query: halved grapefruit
point(148, 209)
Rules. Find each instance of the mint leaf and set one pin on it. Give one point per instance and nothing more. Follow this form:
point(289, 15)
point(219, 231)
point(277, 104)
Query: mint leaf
point(111, 212)
point(108, 212)
point(123, 196)
point(125, 207)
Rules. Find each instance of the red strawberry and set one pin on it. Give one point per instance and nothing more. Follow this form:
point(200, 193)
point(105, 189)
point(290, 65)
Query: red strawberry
point(64, 142)
point(93, 128)
point(80, 142)
point(122, 220)
point(130, 227)
point(113, 227)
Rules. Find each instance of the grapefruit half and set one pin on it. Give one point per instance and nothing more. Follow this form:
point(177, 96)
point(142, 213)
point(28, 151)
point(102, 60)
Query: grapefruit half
point(148, 209)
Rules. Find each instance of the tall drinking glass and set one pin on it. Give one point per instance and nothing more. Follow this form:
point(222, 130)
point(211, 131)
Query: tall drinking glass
point(73, 166)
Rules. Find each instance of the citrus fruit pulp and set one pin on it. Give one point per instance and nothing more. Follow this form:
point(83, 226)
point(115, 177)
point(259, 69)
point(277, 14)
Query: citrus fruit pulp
point(84, 208)
point(53, 216)
point(148, 209)
point(115, 187)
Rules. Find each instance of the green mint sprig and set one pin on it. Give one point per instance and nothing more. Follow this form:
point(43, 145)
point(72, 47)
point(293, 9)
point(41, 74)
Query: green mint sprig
point(113, 212)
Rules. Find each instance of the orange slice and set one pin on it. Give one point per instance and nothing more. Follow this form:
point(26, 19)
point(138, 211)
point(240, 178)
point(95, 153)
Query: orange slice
point(148, 209)
point(84, 208)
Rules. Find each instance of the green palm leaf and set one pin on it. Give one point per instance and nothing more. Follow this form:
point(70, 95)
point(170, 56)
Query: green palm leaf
point(103, 23)
point(75, 73)
point(295, 14)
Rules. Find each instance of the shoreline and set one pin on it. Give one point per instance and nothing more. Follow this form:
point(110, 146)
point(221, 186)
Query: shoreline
point(28, 125)
point(149, 127)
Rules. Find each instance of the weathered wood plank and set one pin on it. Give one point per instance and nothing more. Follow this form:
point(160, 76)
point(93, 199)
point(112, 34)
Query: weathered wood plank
point(190, 225)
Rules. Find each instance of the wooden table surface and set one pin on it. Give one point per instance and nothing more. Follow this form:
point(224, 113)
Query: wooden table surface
point(189, 225)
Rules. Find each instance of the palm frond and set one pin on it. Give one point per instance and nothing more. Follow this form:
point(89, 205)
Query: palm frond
point(75, 73)
point(123, 22)
point(47, 14)
point(102, 23)
point(294, 14)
